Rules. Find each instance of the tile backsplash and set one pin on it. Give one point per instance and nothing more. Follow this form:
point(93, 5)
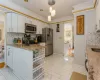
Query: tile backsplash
point(93, 38)
point(11, 36)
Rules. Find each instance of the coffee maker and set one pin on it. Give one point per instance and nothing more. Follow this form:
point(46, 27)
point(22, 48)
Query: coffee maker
point(26, 39)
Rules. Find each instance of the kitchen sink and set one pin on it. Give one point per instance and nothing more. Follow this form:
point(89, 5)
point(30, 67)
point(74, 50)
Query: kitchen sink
point(96, 49)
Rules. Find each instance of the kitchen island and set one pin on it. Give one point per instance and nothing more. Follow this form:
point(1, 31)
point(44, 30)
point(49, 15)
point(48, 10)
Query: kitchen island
point(93, 63)
point(26, 62)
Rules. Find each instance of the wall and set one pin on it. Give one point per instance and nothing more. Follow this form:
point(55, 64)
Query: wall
point(2, 30)
point(63, 19)
point(82, 6)
point(58, 37)
point(81, 40)
point(98, 12)
point(2, 24)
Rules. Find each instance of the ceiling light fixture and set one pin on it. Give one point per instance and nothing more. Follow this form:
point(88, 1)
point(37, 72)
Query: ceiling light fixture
point(51, 10)
point(53, 13)
point(49, 18)
point(51, 2)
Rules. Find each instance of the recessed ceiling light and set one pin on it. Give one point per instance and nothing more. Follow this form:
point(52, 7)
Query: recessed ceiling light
point(26, 0)
point(41, 9)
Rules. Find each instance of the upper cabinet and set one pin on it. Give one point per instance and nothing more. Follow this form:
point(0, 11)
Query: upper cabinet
point(16, 23)
point(39, 28)
point(14, 27)
point(28, 20)
point(21, 24)
point(9, 22)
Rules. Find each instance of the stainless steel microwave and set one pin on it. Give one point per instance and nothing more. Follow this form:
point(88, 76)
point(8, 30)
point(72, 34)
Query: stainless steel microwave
point(30, 28)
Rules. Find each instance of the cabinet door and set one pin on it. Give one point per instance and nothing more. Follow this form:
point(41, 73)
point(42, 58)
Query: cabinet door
point(9, 21)
point(14, 22)
point(39, 27)
point(28, 20)
point(22, 62)
point(10, 57)
point(21, 24)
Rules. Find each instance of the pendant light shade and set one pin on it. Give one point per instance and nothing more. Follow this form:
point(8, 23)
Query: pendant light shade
point(50, 9)
point(51, 2)
point(49, 18)
point(53, 13)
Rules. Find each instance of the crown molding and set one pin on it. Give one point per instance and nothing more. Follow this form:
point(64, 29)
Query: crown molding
point(62, 21)
point(22, 13)
point(95, 3)
point(94, 6)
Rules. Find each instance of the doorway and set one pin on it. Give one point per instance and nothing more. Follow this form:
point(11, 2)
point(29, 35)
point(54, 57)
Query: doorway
point(2, 39)
point(68, 40)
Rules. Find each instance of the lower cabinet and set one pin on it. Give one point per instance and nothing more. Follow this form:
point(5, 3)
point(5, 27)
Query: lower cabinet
point(22, 63)
point(10, 57)
point(26, 64)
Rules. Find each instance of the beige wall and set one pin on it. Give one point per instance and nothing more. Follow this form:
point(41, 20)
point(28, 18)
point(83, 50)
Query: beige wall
point(80, 41)
point(98, 13)
point(58, 38)
point(2, 30)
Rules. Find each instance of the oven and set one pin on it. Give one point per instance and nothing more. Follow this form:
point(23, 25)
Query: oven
point(30, 28)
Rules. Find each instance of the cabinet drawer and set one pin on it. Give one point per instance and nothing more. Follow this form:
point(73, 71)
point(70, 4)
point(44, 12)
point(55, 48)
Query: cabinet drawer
point(38, 73)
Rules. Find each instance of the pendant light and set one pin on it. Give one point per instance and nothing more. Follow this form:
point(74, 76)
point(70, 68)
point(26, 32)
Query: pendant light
point(49, 18)
point(53, 13)
point(51, 2)
point(50, 9)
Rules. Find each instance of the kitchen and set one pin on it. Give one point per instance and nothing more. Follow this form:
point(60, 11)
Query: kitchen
point(34, 47)
point(23, 37)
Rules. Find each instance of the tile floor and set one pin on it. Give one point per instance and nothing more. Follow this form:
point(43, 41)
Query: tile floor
point(58, 67)
point(55, 67)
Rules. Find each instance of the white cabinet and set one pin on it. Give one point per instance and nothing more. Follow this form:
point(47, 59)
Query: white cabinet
point(10, 57)
point(26, 64)
point(9, 22)
point(39, 27)
point(22, 63)
point(28, 20)
point(14, 22)
point(21, 24)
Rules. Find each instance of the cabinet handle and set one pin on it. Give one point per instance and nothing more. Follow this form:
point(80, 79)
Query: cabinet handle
point(8, 53)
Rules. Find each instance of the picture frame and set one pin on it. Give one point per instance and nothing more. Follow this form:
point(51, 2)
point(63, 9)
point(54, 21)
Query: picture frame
point(80, 25)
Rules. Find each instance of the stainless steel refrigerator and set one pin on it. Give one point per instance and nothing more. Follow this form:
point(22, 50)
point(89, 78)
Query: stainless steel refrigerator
point(47, 37)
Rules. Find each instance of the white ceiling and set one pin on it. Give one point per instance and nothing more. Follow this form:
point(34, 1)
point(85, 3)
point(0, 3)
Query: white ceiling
point(62, 7)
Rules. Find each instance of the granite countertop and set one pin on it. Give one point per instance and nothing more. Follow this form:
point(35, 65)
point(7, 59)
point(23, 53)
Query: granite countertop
point(93, 63)
point(30, 47)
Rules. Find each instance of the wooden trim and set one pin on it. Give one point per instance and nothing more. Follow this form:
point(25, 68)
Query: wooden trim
point(87, 8)
point(84, 10)
point(95, 3)
point(62, 21)
point(45, 21)
point(22, 13)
